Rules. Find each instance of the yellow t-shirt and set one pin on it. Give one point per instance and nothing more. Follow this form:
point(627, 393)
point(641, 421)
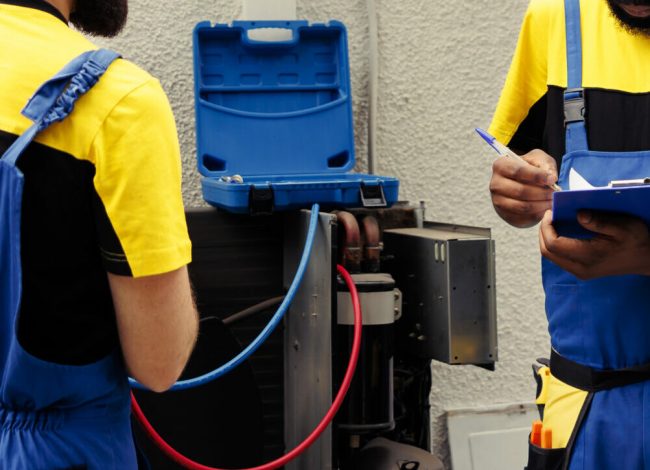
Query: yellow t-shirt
point(616, 78)
point(102, 188)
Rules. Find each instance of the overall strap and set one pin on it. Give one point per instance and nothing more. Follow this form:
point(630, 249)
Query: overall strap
point(574, 100)
point(55, 99)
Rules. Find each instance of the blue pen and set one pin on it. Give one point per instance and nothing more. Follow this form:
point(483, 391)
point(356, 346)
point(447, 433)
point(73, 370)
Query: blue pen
point(506, 152)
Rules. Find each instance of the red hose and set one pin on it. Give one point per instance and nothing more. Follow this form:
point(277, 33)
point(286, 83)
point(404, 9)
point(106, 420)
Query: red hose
point(336, 404)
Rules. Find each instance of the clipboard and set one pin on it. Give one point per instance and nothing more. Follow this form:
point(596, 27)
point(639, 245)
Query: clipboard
point(631, 197)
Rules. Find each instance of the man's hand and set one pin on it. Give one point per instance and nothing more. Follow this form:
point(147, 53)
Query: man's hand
point(520, 193)
point(621, 245)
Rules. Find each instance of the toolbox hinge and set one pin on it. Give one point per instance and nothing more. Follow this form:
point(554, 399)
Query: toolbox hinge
point(260, 200)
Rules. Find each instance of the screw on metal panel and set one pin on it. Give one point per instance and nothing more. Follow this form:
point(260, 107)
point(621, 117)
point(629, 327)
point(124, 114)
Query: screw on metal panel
point(396, 311)
point(412, 335)
point(422, 338)
point(418, 327)
point(396, 295)
point(296, 345)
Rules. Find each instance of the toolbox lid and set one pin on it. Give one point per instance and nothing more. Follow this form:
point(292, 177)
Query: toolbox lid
point(273, 108)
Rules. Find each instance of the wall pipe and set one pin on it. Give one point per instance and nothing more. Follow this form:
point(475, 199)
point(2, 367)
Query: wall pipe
point(373, 85)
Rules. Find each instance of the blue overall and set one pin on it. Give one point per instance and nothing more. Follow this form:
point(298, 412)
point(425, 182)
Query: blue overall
point(54, 416)
point(602, 323)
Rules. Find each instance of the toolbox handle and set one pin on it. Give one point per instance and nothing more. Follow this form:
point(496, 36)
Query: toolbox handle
point(248, 26)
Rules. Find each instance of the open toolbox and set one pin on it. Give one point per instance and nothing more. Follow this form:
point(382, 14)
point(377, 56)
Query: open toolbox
point(274, 119)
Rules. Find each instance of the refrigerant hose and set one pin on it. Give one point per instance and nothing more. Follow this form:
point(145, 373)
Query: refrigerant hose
point(336, 404)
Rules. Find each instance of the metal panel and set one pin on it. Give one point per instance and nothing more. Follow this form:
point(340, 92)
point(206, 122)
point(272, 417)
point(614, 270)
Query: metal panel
point(446, 274)
point(308, 342)
point(472, 305)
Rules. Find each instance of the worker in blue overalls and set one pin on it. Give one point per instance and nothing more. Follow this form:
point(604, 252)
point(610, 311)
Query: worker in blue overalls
point(577, 102)
point(93, 242)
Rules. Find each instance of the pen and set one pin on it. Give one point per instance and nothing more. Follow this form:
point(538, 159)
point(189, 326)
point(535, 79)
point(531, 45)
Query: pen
point(506, 152)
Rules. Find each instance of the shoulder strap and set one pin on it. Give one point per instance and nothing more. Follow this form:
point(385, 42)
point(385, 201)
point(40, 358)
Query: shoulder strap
point(55, 99)
point(574, 100)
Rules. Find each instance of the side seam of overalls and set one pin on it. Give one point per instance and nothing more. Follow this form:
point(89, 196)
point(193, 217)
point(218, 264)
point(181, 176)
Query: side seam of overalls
point(53, 416)
point(598, 328)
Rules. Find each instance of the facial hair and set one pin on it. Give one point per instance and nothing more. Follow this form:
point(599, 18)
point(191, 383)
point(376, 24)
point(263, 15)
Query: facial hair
point(100, 17)
point(632, 24)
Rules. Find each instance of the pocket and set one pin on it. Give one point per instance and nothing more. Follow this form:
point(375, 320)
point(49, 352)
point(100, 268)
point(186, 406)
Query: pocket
point(544, 459)
point(599, 168)
point(540, 458)
point(565, 320)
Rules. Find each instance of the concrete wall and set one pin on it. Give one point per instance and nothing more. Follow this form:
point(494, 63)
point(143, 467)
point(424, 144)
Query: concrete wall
point(442, 64)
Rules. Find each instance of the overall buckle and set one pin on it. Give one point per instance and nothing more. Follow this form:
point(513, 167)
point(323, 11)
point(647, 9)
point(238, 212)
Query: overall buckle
point(574, 105)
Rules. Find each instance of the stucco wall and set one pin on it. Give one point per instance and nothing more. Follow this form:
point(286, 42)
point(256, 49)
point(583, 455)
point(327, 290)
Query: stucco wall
point(442, 64)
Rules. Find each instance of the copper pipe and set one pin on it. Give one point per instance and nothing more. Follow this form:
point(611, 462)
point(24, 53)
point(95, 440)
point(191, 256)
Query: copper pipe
point(372, 245)
point(350, 253)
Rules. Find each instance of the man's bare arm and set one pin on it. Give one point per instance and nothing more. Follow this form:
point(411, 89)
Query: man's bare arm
point(157, 323)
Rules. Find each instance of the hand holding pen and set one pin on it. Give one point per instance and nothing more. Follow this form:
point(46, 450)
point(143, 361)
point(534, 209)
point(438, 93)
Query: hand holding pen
point(521, 187)
point(506, 152)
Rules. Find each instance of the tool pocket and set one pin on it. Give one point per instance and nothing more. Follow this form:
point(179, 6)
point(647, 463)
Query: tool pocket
point(545, 459)
point(563, 409)
point(538, 457)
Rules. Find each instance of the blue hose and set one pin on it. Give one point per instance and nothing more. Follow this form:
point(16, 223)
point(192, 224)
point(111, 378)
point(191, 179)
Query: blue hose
point(268, 329)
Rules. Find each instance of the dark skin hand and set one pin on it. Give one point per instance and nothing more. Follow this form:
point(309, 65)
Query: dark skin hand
point(521, 197)
point(621, 245)
point(520, 193)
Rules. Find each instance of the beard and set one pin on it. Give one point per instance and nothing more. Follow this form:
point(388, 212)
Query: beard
point(100, 17)
point(632, 24)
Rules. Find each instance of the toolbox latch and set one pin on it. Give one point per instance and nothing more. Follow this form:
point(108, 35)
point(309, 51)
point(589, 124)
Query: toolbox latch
point(372, 195)
point(261, 200)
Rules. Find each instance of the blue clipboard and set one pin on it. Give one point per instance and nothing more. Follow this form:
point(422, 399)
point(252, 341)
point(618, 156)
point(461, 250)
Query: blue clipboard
point(631, 200)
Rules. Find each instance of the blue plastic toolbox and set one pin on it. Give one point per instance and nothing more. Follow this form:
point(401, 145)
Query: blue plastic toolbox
point(274, 119)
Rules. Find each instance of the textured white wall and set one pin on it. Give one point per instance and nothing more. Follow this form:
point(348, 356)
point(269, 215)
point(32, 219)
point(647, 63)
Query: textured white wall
point(442, 64)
